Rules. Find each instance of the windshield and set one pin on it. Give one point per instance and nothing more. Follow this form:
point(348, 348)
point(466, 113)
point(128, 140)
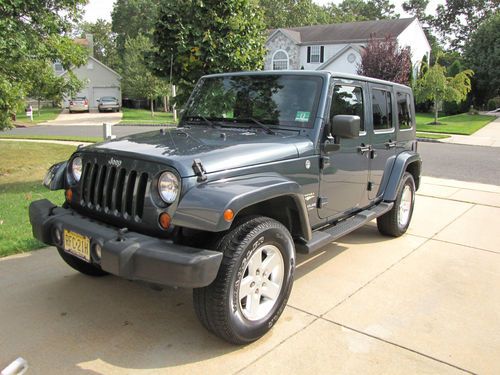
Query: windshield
point(288, 100)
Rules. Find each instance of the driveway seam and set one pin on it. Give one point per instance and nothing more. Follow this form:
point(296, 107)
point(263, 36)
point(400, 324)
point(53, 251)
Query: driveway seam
point(278, 345)
point(462, 201)
point(399, 346)
point(467, 246)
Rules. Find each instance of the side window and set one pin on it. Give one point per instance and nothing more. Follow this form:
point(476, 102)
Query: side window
point(382, 109)
point(404, 111)
point(348, 100)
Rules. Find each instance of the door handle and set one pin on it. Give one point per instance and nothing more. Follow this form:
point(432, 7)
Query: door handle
point(390, 144)
point(362, 149)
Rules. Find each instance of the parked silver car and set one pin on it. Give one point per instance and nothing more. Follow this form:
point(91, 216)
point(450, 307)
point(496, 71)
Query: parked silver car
point(108, 103)
point(79, 104)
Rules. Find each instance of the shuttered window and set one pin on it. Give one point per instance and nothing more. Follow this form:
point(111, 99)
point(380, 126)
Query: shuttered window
point(315, 54)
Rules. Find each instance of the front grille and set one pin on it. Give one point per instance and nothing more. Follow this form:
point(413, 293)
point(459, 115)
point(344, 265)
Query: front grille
point(113, 190)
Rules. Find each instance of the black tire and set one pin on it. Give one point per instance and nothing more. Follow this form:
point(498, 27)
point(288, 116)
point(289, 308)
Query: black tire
point(389, 223)
point(218, 306)
point(80, 265)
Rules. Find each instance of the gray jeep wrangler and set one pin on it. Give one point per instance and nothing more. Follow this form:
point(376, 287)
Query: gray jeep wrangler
point(261, 166)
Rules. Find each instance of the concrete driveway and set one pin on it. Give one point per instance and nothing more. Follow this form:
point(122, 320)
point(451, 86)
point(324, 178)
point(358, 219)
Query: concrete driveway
point(83, 118)
point(424, 303)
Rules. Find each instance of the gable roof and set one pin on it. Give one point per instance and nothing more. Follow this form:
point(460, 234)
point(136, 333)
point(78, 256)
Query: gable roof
point(337, 55)
point(101, 64)
point(350, 32)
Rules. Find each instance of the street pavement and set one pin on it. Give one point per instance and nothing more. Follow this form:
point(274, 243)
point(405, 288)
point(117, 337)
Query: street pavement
point(426, 302)
point(94, 118)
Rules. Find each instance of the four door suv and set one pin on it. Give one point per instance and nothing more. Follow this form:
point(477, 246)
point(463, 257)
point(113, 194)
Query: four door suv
point(261, 166)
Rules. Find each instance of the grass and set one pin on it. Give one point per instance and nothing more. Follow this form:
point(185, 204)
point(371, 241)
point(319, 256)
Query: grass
point(432, 136)
point(463, 124)
point(53, 137)
point(142, 116)
point(46, 114)
point(22, 168)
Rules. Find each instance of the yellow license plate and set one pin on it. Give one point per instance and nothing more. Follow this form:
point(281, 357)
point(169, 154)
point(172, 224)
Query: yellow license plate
point(77, 245)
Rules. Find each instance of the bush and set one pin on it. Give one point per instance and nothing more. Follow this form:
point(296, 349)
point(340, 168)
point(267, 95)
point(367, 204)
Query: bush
point(494, 103)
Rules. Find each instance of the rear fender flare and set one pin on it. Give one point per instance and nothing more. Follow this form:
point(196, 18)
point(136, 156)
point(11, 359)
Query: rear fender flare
point(401, 163)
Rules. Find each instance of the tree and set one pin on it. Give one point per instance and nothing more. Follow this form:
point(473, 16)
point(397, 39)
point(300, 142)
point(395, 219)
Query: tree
point(383, 59)
point(482, 54)
point(457, 19)
point(138, 81)
point(436, 86)
point(30, 31)
point(131, 18)
point(104, 41)
point(209, 36)
point(359, 10)
point(292, 13)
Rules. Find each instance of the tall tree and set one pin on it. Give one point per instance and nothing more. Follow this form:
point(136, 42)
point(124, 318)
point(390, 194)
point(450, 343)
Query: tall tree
point(457, 19)
point(436, 86)
point(208, 36)
point(292, 13)
point(104, 41)
point(482, 54)
point(33, 30)
point(384, 59)
point(360, 10)
point(417, 8)
point(139, 81)
point(131, 18)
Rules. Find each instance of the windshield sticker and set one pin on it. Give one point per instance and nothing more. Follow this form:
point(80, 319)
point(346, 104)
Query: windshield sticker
point(302, 116)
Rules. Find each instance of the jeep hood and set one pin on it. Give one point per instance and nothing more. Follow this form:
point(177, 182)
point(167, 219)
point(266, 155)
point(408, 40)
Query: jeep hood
point(218, 149)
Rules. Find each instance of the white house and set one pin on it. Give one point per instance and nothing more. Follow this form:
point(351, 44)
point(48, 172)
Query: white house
point(338, 47)
point(101, 80)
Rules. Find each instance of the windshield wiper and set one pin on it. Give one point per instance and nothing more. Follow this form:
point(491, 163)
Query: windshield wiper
point(207, 121)
point(267, 129)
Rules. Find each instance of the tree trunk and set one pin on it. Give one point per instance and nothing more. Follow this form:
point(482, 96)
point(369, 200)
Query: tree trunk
point(38, 107)
point(168, 102)
point(435, 112)
point(164, 103)
point(152, 108)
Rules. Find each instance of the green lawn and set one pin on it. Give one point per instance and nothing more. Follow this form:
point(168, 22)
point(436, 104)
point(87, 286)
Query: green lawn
point(464, 123)
point(432, 136)
point(22, 168)
point(142, 116)
point(46, 114)
point(52, 137)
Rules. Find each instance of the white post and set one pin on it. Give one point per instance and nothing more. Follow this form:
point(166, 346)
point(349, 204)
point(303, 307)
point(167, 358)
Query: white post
point(106, 131)
point(173, 96)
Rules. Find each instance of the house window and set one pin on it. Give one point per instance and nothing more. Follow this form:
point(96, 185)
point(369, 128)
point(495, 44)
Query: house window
point(280, 60)
point(315, 54)
point(382, 110)
point(58, 67)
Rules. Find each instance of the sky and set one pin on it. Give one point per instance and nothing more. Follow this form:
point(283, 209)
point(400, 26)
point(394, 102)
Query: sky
point(102, 8)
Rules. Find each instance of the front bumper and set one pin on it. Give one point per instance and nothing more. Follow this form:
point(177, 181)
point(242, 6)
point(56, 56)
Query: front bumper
point(130, 255)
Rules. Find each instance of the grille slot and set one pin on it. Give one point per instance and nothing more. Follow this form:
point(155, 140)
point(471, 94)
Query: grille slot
point(114, 191)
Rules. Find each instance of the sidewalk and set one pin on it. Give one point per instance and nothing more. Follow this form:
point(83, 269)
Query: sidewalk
point(487, 136)
point(426, 302)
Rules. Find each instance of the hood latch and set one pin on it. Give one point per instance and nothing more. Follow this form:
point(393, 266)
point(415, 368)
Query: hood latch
point(199, 170)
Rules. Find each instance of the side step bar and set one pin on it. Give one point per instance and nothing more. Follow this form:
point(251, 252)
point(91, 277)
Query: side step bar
point(323, 237)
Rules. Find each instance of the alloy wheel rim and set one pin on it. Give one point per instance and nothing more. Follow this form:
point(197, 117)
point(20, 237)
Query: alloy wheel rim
point(261, 283)
point(405, 206)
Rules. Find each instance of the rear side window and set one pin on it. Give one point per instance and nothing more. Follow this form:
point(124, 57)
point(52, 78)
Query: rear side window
point(382, 109)
point(348, 100)
point(404, 111)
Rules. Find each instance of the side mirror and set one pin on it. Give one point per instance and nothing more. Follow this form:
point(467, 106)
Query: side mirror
point(345, 126)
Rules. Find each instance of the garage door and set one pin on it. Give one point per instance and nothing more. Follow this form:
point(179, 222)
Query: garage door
point(99, 92)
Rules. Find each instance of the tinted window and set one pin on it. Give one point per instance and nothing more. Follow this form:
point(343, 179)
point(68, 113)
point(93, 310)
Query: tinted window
point(382, 109)
point(288, 100)
point(348, 100)
point(404, 110)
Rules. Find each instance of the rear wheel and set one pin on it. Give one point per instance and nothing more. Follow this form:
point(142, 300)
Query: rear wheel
point(253, 284)
point(395, 222)
point(80, 265)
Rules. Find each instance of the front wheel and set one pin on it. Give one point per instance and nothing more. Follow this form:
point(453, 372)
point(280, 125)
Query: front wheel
point(395, 222)
point(253, 284)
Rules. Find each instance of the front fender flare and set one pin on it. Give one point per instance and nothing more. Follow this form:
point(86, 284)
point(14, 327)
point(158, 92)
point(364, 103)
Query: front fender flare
point(54, 178)
point(202, 207)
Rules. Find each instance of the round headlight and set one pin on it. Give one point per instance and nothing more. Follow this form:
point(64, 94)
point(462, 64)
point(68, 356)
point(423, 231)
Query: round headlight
point(76, 168)
point(168, 187)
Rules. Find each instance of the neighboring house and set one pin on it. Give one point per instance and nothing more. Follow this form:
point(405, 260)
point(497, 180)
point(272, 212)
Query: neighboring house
point(338, 47)
point(101, 80)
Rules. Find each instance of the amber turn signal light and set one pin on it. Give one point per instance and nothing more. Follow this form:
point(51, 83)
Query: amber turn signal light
point(164, 220)
point(228, 215)
point(69, 195)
